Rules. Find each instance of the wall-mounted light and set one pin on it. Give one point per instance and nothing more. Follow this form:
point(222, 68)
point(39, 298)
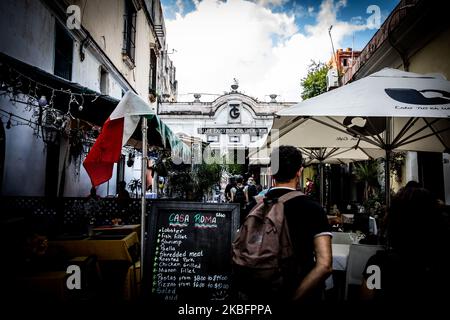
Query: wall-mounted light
point(43, 101)
point(51, 126)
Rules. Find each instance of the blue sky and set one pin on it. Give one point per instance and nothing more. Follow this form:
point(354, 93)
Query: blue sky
point(265, 43)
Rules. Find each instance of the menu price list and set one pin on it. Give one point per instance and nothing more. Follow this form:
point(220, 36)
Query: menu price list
point(179, 268)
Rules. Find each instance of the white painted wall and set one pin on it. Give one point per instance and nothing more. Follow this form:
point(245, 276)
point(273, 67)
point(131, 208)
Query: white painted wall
point(86, 72)
point(134, 172)
point(411, 167)
point(32, 41)
point(24, 155)
point(27, 32)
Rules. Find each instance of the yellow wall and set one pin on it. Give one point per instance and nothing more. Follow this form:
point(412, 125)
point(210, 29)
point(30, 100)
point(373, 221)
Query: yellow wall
point(308, 172)
point(434, 57)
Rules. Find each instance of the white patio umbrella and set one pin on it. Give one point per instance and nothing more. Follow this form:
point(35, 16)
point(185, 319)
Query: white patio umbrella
point(260, 153)
point(318, 155)
point(331, 155)
point(387, 111)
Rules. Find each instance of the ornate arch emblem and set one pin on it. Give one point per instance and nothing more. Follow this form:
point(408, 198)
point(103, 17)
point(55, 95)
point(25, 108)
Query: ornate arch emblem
point(234, 111)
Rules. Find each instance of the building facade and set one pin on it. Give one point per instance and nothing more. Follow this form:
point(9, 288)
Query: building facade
point(234, 122)
point(344, 59)
point(74, 59)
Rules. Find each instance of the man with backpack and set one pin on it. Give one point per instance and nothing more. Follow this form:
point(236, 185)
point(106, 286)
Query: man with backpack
point(282, 252)
point(230, 185)
point(250, 193)
point(238, 195)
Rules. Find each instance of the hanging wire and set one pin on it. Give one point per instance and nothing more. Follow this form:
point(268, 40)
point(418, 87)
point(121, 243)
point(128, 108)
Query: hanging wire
point(67, 91)
point(16, 120)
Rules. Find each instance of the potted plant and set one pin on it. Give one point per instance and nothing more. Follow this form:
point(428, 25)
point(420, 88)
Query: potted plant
point(135, 186)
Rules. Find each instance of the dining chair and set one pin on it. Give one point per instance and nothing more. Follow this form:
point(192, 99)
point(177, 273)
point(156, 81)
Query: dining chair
point(358, 256)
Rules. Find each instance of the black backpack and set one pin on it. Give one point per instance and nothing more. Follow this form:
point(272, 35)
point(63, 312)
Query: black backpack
point(239, 196)
point(251, 191)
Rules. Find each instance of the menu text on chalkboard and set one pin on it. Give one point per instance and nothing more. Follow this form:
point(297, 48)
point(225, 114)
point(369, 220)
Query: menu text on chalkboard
point(188, 251)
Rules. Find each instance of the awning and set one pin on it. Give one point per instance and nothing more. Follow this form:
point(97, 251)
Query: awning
point(35, 82)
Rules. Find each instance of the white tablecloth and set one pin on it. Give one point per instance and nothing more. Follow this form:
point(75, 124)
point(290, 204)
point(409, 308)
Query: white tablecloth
point(348, 218)
point(340, 258)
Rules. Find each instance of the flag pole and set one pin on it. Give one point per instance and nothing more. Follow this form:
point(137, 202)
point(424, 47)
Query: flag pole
point(144, 187)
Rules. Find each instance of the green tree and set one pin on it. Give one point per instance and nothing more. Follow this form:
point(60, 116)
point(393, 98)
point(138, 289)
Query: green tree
point(367, 172)
point(206, 176)
point(315, 81)
point(235, 168)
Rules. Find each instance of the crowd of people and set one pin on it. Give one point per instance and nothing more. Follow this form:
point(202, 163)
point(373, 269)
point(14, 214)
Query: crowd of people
point(243, 193)
point(416, 236)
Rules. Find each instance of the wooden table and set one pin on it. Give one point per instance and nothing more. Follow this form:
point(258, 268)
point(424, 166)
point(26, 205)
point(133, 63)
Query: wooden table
point(106, 249)
point(119, 229)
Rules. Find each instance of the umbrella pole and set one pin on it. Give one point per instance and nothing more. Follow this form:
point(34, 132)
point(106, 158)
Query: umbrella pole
point(387, 169)
point(321, 182)
point(387, 178)
point(144, 187)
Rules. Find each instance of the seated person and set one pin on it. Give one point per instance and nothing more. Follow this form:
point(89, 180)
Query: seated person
point(415, 266)
point(38, 257)
point(334, 218)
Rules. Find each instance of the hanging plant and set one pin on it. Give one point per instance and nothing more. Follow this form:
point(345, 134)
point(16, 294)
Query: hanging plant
point(76, 144)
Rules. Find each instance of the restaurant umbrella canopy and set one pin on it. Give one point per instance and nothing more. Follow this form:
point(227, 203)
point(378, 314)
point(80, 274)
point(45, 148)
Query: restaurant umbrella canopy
point(389, 110)
point(318, 155)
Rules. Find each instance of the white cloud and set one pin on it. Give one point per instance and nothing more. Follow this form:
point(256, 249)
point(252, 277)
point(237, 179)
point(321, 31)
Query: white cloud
point(300, 11)
point(180, 6)
point(357, 20)
point(239, 39)
point(271, 3)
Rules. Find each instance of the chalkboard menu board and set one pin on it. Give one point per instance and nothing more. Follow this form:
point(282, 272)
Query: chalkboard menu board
point(188, 251)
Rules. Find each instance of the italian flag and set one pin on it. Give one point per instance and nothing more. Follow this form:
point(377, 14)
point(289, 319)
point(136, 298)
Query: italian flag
point(116, 132)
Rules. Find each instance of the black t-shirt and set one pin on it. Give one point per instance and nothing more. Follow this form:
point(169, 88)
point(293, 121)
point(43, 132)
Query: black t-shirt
point(409, 278)
point(306, 219)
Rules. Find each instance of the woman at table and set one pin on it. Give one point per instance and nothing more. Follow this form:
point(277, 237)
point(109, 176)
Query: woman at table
point(415, 265)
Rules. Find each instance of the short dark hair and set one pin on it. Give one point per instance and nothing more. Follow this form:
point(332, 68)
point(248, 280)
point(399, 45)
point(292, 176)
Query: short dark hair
point(289, 162)
point(406, 213)
point(412, 184)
